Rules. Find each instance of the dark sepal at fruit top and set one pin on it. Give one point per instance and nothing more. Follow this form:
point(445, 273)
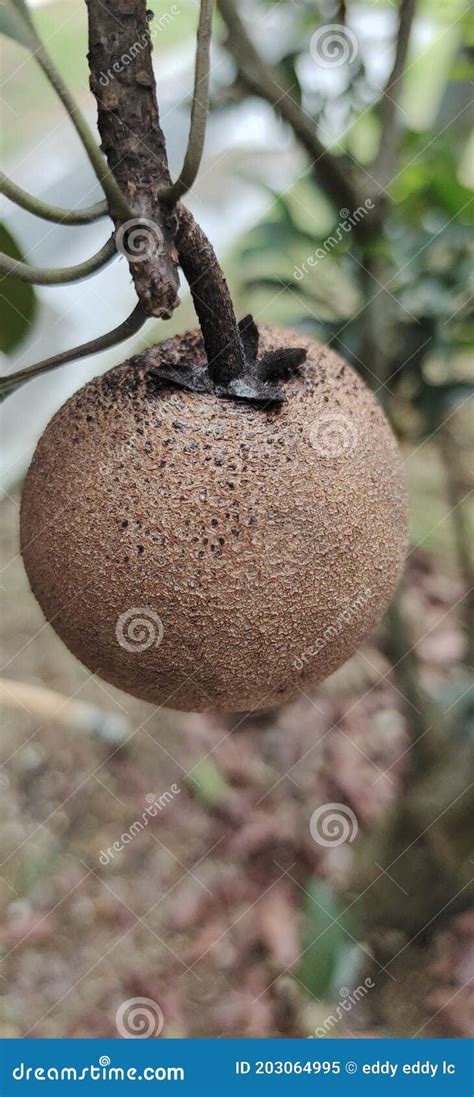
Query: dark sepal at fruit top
point(255, 385)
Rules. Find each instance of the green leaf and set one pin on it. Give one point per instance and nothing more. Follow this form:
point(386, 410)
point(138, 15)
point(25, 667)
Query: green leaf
point(15, 23)
point(18, 300)
point(208, 783)
point(326, 940)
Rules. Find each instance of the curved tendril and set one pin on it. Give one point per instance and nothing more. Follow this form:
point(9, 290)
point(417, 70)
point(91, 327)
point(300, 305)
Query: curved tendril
point(128, 327)
point(47, 212)
point(50, 276)
point(199, 111)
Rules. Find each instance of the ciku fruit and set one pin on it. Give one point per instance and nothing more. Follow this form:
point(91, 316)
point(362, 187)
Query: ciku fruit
point(203, 552)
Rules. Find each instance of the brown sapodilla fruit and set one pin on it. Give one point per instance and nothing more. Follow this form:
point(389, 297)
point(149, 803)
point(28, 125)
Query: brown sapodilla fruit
point(200, 552)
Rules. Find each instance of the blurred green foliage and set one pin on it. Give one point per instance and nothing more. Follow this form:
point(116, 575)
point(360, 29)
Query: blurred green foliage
point(17, 299)
point(330, 955)
point(301, 266)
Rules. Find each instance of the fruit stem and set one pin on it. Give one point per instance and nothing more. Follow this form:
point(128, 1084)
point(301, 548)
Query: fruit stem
point(212, 301)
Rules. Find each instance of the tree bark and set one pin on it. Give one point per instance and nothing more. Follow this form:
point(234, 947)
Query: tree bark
point(123, 83)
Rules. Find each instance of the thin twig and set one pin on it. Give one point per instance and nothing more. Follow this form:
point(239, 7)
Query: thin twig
point(58, 276)
point(127, 328)
point(199, 111)
point(19, 17)
point(266, 81)
point(47, 212)
point(385, 161)
point(117, 203)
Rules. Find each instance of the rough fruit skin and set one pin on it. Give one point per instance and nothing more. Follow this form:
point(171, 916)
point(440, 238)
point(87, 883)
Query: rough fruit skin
point(268, 543)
